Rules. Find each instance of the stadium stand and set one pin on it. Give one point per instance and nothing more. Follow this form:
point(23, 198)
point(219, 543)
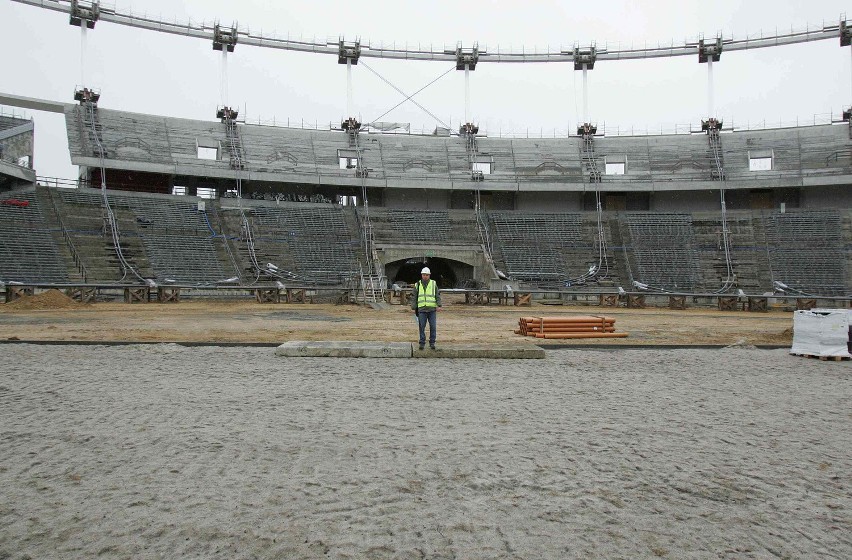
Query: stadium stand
point(164, 144)
point(28, 253)
point(168, 239)
point(661, 217)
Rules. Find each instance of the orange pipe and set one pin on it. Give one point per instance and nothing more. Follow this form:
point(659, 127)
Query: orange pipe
point(579, 318)
point(583, 322)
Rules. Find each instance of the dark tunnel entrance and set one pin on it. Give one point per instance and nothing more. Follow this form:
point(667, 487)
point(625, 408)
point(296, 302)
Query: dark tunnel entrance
point(446, 272)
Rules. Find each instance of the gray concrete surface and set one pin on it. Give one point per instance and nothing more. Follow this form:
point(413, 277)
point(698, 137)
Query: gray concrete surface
point(343, 349)
point(503, 351)
point(356, 349)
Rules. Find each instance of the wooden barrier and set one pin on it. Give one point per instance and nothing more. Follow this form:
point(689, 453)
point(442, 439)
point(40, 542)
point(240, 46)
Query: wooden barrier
point(760, 304)
point(636, 301)
point(137, 295)
point(82, 294)
point(267, 295)
point(609, 300)
point(403, 295)
point(804, 304)
point(297, 295)
point(677, 302)
point(14, 292)
point(728, 303)
point(168, 295)
point(523, 300)
point(476, 298)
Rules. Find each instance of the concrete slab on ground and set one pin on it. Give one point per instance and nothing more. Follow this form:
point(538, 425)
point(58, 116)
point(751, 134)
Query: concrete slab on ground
point(495, 351)
point(343, 349)
point(356, 349)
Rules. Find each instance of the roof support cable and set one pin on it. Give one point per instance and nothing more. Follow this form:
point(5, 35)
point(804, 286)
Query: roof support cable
point(410, 97)
point(373, 278)
point(91, 115)
point(237, 158)
point(601, 270)
point(715, 140)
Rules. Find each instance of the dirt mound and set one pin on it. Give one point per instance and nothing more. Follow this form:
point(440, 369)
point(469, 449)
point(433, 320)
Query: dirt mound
point(51, 299)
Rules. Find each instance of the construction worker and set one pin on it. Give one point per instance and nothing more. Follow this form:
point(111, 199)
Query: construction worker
point(425, 301)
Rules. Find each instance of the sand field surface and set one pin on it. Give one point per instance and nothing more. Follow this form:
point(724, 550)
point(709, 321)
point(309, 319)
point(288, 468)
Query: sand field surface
point(166, 451)
point(48, 317)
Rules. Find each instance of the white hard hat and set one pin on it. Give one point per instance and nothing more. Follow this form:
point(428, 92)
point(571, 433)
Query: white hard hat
point(425, 270)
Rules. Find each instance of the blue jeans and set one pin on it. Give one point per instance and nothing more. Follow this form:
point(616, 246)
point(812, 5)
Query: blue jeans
point(422, 317)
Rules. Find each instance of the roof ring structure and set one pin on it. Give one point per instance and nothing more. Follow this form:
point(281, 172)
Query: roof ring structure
point(224, 38)
point(585, 57)
point(228, 38)
point(709, 51)
point(467, 58)
point(348, 51)
point(88, 14)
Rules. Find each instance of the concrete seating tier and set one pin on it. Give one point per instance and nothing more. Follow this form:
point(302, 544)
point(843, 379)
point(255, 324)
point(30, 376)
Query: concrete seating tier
point(533, 245)
point(663, 250)
point(429, 161)
point(411, 226)
point(183, 259)
point(28, 252)
point(151, 211)
point(749, 261)
point(317, 238)
point(807, 251)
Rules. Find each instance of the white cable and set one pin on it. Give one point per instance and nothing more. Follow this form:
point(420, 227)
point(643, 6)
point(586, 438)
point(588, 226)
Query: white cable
point(116, 241)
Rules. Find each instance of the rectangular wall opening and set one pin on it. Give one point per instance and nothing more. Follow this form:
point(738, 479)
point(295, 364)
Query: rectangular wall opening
point(760, 160)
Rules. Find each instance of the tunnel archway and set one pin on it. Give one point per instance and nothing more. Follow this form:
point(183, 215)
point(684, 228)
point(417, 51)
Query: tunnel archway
point(448, 273)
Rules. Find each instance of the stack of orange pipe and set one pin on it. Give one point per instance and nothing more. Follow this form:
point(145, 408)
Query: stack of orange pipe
point(577, 326)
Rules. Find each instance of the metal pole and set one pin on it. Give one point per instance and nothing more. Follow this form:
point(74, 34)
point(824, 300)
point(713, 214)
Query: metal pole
point(585, 95)
point(467, 93)
point(710, 107)
point(348, 87)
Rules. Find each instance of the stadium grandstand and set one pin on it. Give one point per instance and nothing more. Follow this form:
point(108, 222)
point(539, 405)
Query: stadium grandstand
point(223, 202)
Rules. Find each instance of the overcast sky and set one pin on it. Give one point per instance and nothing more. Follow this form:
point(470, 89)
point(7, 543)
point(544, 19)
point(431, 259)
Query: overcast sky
point(163, 74)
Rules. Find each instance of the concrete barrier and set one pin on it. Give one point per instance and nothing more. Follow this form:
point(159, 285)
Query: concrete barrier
point(344, 349)
point(501, 352)
point(356, 349)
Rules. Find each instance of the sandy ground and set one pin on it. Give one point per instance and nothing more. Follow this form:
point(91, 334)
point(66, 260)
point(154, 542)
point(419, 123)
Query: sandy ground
point(173, 452)
point(242, 321)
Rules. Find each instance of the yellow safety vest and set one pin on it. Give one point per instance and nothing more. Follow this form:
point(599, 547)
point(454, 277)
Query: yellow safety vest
point(426, 298)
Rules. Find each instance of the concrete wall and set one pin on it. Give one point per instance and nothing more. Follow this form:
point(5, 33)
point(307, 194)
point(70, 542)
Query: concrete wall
point(684, 201)
point(548, 202)
point(18, 146)
point(827, 197)
point(417, 199)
